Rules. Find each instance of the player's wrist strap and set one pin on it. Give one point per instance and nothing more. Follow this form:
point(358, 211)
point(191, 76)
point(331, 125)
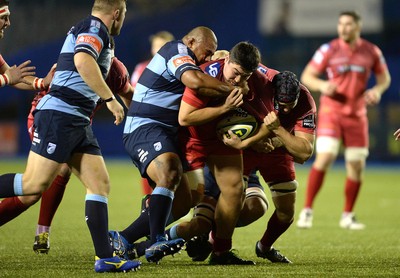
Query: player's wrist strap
point(4, 80)
point(38, 84)
point(110, 99)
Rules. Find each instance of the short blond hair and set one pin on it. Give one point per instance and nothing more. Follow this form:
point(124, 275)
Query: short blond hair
point(104, 5)
point(164, 35)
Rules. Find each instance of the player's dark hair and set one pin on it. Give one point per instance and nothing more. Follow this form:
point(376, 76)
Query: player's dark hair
point(4, 3)
point(246, 55)
point(356, 16)
point(287, 87)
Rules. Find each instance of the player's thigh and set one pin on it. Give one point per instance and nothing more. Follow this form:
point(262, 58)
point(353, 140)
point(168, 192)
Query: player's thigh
point(228, 172)
point(39, 173)
point(92, 172)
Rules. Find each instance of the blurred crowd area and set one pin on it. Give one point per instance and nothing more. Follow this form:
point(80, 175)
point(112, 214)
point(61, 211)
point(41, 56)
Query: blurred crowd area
point(38, 29)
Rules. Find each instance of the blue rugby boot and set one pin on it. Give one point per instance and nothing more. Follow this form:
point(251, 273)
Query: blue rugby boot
point(121, 246)
point(162, 248)
point(115, 264)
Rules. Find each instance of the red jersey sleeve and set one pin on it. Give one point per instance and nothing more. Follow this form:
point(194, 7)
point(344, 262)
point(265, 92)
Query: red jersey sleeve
point(380, 63)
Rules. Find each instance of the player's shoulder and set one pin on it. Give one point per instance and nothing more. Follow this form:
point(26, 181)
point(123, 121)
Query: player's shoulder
point(369, 46)
point(213, 68)
point(331, 45)
point(173, 48)
point(306, 97)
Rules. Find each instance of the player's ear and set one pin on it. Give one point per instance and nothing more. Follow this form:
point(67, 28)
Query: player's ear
point(190, 42)
point(227, 59)
point(116, 14)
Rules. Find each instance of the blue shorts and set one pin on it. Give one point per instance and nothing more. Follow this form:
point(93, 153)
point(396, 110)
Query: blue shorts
point(211, 187)
point(57, 136)
point(148, 142)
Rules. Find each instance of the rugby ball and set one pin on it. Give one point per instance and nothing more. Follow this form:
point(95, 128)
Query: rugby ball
point(240, 123)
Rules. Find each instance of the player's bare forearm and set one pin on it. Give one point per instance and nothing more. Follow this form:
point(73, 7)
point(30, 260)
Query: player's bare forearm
point(300, 147)
point(235, 142)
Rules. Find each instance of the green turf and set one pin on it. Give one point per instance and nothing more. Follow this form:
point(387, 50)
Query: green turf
point(323, 251)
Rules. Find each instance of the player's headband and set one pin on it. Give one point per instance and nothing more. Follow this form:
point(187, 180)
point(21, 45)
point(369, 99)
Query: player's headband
point(287, 87)
point(287, 96)
point(4, 11)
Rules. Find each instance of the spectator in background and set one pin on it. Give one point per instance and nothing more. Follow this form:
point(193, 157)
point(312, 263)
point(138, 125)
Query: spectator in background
point(342, 117)
point(156, 41)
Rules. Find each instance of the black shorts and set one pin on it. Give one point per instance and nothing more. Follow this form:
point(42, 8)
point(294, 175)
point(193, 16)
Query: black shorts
point(58, 135)
point(149, 141)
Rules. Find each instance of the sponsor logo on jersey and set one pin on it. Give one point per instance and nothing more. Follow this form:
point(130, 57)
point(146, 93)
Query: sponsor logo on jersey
point(95, 23)
point(35, 139)
point(309, 121)
point(346, 68)
point(142, 154)
point(183, 60)
point(157, 146)
point(51, 148)
point(90, 40)
point(213, 69)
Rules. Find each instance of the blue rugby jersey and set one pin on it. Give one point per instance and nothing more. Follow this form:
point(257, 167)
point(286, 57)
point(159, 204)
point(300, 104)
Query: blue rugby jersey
point(159, 90)
point(68, 92)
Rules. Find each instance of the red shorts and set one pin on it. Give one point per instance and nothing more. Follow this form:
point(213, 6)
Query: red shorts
point(35, 102)
point(353, 131)
point(276, 166)
point(197, 151)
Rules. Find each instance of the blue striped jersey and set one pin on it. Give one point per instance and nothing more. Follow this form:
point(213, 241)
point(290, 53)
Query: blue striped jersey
point(159, 90)
point(68, 92)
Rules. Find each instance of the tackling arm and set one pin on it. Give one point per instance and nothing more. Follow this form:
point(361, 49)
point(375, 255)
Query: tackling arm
point(207, 85)
point(190, 115)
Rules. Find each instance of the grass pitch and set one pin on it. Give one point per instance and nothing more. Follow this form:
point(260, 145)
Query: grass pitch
point(323, 251)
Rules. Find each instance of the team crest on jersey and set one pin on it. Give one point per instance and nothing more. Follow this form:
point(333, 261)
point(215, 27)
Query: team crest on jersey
point(262, 69)
point(157, 146)
point(94, 30)
point(213, 69)
point(51, 148)
point(94, 26)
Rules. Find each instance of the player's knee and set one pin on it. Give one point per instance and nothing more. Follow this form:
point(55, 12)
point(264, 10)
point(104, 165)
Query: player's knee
point(283, 188)
point(256, 201)
point(196, 183)
point(325, 144)
point(30, 200)
point(286, 216)
point(32, 187)
point(203, 213)
point(356, 154)
point(65, 171)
